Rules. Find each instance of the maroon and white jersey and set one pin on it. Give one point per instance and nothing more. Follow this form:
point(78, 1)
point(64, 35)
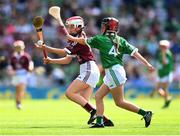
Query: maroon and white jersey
point(82, 52)
point(20, 61)
point(89, 71)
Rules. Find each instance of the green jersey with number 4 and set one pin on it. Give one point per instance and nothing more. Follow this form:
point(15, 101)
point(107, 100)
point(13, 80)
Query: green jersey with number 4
point(108, 53)
point(165, 69)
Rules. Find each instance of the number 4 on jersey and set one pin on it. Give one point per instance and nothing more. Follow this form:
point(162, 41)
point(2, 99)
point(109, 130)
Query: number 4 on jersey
point(113, 51)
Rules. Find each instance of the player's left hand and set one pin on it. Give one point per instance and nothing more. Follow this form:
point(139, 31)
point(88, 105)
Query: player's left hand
point(39, 44)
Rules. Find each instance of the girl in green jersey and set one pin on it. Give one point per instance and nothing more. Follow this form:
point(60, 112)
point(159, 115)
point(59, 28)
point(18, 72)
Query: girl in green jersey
point(112, 48)
point(165, 71)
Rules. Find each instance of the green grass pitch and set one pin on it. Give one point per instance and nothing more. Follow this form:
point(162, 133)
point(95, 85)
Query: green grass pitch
point(62, 117)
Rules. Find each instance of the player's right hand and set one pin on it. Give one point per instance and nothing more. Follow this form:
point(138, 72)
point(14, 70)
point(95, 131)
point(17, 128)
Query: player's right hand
point(46, 60)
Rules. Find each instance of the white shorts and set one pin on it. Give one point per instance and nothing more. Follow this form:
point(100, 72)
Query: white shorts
point(166, 79)
point(114, 76)
point(89, 73)
point(20, 77)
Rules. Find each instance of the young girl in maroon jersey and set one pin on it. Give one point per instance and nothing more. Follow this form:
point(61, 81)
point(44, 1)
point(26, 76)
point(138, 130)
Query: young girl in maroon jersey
point(80, 90)
point(20, 65)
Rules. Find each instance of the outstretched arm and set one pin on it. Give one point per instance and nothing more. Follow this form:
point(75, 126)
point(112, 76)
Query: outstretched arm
point(80, 40)
point(138, 56)
point(64, 60)
point(60, 52)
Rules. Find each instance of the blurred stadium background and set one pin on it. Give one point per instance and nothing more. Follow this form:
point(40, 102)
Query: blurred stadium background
point(142, 22)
